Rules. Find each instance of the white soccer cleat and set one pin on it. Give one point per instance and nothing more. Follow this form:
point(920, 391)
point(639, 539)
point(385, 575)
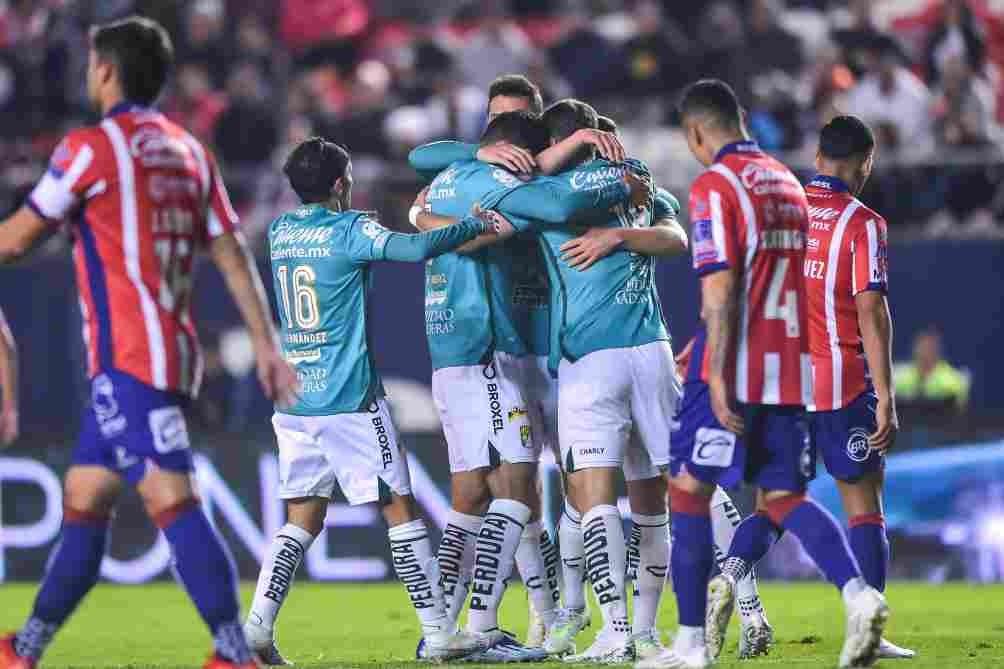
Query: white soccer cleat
point(694, 658)
point(755, 636)
point(608, 648)
point(721, 604)
point(443, 646)
point(887, 650)
point(560, 638)
point(500, 647)
point(262, 643)
point(536, 631)
point(647, 644)
point(866, 617)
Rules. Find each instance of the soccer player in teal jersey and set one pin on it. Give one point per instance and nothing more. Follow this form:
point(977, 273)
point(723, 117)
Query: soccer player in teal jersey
point(340, 430)
point(480, 364)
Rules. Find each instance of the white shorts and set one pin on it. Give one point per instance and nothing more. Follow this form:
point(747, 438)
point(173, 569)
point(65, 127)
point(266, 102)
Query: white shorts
point(543, 390)
point(616, 408)
point(359, 451)
point(485, 413)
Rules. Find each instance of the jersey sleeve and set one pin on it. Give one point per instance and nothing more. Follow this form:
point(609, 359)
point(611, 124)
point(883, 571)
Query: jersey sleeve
point(554, 202)
point(666, 205)
point(870, 256)
point(431, 159)
point(72, 177)
point(369, 241)
point(715, 222)
point(221, 216)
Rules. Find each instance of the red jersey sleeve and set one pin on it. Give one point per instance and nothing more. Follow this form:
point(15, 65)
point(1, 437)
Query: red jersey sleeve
point(222, 218)
point(870, 255)
point(73, 176)
point(714, 221)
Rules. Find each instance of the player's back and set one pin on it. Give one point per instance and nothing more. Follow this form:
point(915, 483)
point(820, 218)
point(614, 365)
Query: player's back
point(749, 212)
point(143, 196)
point(615, 303)
point(846, 254)
point(320, 272)
point(469, 298)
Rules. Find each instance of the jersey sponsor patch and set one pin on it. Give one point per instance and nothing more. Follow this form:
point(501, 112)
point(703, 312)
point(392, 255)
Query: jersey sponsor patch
point(505, 178)
point(714, 447)
point(857, 445)
point(169, 430)
point(372, 229)
point(704, 241)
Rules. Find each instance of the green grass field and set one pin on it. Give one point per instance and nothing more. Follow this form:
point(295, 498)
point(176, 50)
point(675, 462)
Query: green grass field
point(371, 626)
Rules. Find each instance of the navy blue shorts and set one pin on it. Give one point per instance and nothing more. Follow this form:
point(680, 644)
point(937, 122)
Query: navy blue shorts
point(774, 453)
point(130, 424)
point(841, 436)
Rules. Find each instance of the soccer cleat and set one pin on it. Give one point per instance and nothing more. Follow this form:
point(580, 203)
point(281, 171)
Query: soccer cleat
point(561, 635)
point(501, 647)
point(262, 644)
point(721, 603)
point(866, 617)
point(9, 659)
point(696, 658)
point(217, 662)
point(755, 637)
point(887, 650)
point(608, 648)
point(647, 644)
point(536, 631)
point(444, 646)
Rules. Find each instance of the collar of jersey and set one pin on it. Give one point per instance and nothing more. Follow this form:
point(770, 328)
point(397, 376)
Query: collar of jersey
point(124, 107)
point(834, 184)
point(745, 146)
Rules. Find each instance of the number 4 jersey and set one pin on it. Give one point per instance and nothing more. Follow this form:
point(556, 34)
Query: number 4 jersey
point(141, 195)
point(749, 212)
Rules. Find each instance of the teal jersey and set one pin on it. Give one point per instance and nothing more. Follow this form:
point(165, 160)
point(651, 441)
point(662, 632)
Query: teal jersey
point(665, 205)
point(613, 304)
point(320, 269)
point(531, 299)
point(469, 299)
point(431, 159)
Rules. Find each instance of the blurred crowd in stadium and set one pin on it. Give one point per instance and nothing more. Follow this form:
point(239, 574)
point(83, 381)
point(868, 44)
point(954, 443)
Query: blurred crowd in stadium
point(255, 76)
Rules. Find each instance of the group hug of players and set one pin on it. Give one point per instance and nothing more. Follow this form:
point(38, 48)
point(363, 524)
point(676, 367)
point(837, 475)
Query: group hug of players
point(545, 330)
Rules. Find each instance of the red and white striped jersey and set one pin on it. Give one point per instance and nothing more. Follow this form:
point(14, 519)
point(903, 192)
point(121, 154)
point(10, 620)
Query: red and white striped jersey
point(749, 212)
point(847, 254)
point(141, 195)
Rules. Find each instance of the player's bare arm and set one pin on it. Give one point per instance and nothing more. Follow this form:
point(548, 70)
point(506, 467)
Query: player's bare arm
point(720, 311)
point(21, 233)
point(277, 377)
point(8, 385)
point(875, 324)
point(560, 156)
point(665, 238)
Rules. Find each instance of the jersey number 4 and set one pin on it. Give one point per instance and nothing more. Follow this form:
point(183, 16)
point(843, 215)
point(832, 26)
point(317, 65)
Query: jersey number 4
point(299, 298)
point(787, 310)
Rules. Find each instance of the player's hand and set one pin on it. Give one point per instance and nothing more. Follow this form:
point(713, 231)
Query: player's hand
point(607, 144)
point(683, 359)
point(640, 188)
point(495, 223)
point(887, 426)
point(277, 377)
point(582, 252)
point(420, 201)
point(9, 429)
point(722, 405)
point(514, 158)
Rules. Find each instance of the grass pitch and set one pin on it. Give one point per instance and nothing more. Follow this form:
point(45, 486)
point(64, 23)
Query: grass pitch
point(373, 626)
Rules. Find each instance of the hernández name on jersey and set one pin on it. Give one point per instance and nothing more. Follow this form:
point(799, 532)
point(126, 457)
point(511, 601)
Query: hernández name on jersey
point(614, 304)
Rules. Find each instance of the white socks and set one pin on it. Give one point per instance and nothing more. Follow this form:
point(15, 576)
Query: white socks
point(418, 570)
point(725, 518)
point(570, 544)
point(648, 562)
point(494, 557)
point(285, 554)
point(537, 561)
point(456, 560)
point(605, 558)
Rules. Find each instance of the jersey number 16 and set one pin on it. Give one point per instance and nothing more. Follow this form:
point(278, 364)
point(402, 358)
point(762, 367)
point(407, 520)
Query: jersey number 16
point(299, 298)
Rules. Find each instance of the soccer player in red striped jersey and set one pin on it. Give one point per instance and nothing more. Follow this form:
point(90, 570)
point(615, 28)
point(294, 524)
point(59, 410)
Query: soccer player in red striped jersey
point(742, 415)
point(853, 414)
point(8, 385)
point(140, 196)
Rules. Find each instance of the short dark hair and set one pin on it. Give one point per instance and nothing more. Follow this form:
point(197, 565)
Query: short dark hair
point(606, 124)
point(520, 128)
point(141, 50)
point(846, 137)
point(566, 116)
point(714, 98)
point(314, 166)
point(517, 86)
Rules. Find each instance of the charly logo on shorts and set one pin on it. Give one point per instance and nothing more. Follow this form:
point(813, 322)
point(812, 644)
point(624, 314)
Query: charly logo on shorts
point(857, 445)
point(106, 407)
